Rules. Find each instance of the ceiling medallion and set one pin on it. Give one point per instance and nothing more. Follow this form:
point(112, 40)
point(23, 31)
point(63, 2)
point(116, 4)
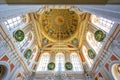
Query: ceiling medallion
point(27, 53)
point(19, 35)
point(59, 24)
point(91, 54)
point(75, 41)
point(59, 20)
point(99, 35)
point(68, 65)
point(51, 66)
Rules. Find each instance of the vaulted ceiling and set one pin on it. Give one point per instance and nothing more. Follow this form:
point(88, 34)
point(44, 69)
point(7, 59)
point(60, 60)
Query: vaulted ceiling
point(60, 25)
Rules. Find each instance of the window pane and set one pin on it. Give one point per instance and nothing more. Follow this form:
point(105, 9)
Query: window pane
point(14, 22)
point(18, 17)
point(5, 23)
point(14, 19)
point(77, 64)
point(102, 23)
point(44, 60)
point(59, 59)
point(9, 21)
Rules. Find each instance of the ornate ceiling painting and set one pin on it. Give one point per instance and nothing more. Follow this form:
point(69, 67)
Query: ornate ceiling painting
point(59, 25)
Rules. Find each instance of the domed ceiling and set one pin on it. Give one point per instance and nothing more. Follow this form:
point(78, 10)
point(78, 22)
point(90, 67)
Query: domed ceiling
point(59, 24)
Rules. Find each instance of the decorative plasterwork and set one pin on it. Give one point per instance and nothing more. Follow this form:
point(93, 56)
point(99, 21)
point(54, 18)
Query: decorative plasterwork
point(68, 65)
point(19, 35)
point(51, 66)
point(99, 35)
point(59, 25)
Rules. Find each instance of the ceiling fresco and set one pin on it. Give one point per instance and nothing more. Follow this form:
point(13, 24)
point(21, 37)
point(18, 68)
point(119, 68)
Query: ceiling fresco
point(59, 24)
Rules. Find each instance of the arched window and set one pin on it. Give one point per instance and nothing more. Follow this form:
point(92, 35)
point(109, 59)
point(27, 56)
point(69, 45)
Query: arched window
point(59, 59)
point(85, 53)
point(77, 64)
point(44, 60)
point(16, 22)
point(26, 42)
point(92, 42)
point(115, 69)
point(102, 23)
point(3, 71)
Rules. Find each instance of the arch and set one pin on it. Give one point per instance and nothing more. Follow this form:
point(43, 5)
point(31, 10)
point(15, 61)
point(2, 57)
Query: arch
point(76, 61)
point(102, 23)
point(52, 45)
point(44, 60)
point(115, 70)
point(59, 61)
point(2, 71)
point(7, 69)
point(27, 42)
point(92, 42)
point(85, 53)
